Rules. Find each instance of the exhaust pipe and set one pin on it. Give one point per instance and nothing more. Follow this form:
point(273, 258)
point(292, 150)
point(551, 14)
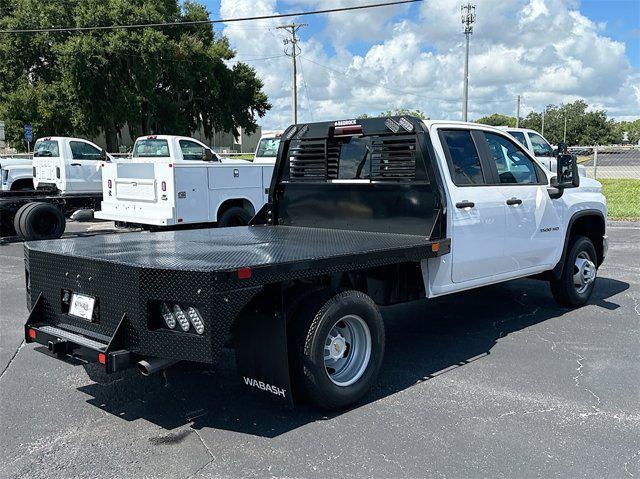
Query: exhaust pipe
point(150, 366)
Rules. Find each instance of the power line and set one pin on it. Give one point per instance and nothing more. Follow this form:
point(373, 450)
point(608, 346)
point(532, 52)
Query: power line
point(207, 22)
point(306, 90)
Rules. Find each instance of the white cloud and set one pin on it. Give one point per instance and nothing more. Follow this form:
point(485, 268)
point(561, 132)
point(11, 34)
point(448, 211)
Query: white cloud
point(544, 50)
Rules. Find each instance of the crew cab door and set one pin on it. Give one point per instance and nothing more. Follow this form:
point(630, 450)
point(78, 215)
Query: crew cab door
point(533, 233)
point(477, 210)
point(83, 167)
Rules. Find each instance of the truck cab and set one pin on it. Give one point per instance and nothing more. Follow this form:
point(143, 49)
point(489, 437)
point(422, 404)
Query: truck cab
point(16, 174)
point(267, 148)
point(68, 165)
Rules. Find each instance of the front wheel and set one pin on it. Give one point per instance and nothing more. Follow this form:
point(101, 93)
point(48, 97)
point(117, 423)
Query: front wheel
point(234, 216)
point(336, 346)
point(574, 287)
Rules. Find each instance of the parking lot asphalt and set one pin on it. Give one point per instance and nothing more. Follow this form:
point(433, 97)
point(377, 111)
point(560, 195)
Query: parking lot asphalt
point(497, 382)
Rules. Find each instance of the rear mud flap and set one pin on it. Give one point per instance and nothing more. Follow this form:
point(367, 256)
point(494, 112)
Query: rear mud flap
point(260, 338)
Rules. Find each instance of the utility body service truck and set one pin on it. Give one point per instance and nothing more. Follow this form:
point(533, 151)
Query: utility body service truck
point(361, 213)
point(66, 176)
point(175, 181)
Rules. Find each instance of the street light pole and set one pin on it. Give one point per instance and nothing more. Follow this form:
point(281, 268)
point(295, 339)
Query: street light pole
point(518, 112)
point(468, 18)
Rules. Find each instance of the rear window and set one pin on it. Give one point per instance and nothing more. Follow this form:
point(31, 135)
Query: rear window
point(151, 148)
point(518, 135)
point(464, 161)
point(268, 147)
point(46, 148)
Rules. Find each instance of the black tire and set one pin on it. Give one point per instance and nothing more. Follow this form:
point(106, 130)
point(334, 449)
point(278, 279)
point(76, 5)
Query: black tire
point(42, 221)
point(235, 216)
point(563, 290)
point(307, 339)
point(17, 219)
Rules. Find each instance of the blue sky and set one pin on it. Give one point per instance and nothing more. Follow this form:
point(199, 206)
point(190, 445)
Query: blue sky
point(546, 51)
point(622, 19)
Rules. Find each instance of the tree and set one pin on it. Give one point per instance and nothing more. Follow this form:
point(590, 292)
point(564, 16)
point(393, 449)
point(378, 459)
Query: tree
point(155, 80)
point(498, 120)
point(632, 130)
point(583, 127)
point(397, 112)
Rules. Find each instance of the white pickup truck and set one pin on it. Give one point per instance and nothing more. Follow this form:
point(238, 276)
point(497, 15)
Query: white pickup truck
point(361, 214)
point(178, 181)
point(68, 165)
point(538, 146)
point(16, 174)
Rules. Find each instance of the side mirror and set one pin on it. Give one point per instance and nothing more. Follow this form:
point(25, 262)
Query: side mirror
point(567, 176)
point(103, 156)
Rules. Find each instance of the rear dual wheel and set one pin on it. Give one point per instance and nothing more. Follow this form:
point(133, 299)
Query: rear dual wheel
point(39, 221)
point(574, 287)
point(336, 348)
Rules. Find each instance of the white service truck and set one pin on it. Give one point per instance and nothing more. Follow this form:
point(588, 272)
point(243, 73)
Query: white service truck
point(361, 214)
point(16, 174)
point(66, 178)
point(176, 181)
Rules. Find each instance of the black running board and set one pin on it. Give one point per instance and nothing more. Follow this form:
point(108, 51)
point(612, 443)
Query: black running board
point(67, 343)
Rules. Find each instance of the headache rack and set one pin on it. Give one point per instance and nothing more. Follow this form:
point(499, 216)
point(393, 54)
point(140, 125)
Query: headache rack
point(383, 157)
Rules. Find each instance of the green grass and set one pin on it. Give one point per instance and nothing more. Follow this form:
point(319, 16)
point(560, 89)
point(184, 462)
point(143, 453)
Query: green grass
point(623, 197)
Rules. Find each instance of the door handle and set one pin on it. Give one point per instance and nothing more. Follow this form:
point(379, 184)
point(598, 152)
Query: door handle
point(514, 201)
point(76, 164)
point(465, 204)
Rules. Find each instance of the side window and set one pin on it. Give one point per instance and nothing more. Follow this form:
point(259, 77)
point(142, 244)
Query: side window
point(464, 163)
point(191, 150)
point(84, 151)
point(514, 167)
point(518, 135)
point(540, 145)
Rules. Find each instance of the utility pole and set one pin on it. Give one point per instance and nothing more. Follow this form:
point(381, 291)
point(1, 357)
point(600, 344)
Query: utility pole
point(468, 12)
point(292, 29)
point(543, 112)
point(518, 112)
point(565, 129)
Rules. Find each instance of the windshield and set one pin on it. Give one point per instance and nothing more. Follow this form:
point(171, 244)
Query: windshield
point(518, 135)
point(151, 148)
point(268, 147)
point(46, 148)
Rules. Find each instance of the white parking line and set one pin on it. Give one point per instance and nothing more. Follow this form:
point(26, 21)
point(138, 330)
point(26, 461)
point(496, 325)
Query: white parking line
point(623, 227)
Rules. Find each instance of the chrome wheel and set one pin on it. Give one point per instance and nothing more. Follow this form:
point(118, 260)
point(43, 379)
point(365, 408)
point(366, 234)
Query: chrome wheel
point(584, 272)
point(347, 350)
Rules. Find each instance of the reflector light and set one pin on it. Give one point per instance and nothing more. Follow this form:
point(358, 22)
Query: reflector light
point(244, 273)
point(196, 320)
point(102, 358)
point(435, 247)
point(392, 125)
point(406, 124)
point(109, 184)
point(32, 333)
point(180, 316)
point(180, 220)
point(291, 132)
point(167, 315)
point(164, 186)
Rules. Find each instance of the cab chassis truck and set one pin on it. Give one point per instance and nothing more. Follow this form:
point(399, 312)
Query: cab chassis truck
point(361, 213)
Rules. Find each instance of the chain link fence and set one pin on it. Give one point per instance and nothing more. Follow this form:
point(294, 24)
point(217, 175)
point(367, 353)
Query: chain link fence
point(618, 169)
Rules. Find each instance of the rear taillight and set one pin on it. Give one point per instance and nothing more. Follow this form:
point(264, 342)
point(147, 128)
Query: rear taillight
point(164, 186)
point(109, 184)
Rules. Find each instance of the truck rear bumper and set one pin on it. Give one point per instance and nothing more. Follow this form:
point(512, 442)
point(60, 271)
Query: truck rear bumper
point(65, 343)
point(114, 213)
